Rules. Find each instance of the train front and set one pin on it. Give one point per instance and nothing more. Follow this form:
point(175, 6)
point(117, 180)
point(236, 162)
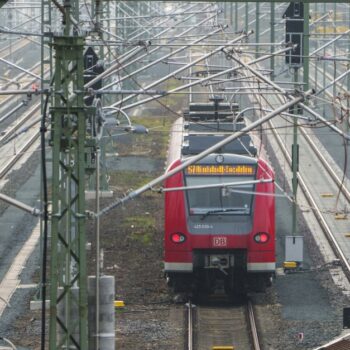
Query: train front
point(220, 225)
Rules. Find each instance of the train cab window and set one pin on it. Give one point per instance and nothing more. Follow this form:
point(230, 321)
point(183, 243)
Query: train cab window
point(235, 200)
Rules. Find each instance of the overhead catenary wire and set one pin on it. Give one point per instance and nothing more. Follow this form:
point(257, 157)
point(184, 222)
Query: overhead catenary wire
point(183, 87)
point(201, 155)
point(339, 183)
point(123, 68)
point(278, 88)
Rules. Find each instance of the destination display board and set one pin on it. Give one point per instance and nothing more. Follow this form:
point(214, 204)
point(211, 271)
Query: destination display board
point(220, 169)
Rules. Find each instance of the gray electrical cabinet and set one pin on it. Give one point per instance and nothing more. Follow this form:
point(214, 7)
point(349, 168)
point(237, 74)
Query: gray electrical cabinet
point(294, 248)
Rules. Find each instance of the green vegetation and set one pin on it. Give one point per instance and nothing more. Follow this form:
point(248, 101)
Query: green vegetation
point(129, 179)
point(154, 144)
point(141, 228)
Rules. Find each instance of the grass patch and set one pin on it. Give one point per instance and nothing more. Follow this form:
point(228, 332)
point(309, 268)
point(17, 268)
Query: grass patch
point(156, 142)
point(141, 228)
point(129, 179)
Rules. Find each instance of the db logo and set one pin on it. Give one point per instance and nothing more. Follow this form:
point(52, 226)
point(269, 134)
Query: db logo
point(219, 241)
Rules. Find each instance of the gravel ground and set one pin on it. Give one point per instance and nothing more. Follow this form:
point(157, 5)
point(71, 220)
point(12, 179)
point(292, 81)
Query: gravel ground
point(306, 307)
point(23, 331)
point(150, 327)
point(305, 303)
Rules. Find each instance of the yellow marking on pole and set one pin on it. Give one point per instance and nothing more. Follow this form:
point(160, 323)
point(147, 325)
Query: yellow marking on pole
point(223, 348)
point(290, 265)
point(340, 216)
point(327, 195)
point(347, 235)
point(119, 303)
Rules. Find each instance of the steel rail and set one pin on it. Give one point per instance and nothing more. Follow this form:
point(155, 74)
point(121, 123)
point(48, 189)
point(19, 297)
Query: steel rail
point(9, 165)
point(326, 165)
point(315, 208)
point(14, 128)
point(15, 80)
point(253, 327)
point(4, 170)
point(313, 204)
point(20, 123)
point(19, 42)
point(323, 160)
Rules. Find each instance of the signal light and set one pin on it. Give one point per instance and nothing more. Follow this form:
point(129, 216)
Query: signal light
point(178, 237)
point(261, 237)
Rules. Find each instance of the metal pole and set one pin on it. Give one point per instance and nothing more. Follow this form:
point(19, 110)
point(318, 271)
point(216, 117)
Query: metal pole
point(325, 87)
point(68, 240)
point(16, 203)
point(20, 68)
point(316, 39)
point(295, 159)
point(324, 63)
point(246, 17)
point(330, 42)
point(257, 27)
point(97, 230)
point(334, 48)
point(306, 47)
point(236, 16)
point(272, 37)
point(347, 122)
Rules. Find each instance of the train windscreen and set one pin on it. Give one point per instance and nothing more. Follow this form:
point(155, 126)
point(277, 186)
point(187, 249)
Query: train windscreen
point(230, 200)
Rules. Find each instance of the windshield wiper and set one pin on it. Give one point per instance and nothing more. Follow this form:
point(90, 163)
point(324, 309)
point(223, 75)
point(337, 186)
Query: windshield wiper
point(215, 211)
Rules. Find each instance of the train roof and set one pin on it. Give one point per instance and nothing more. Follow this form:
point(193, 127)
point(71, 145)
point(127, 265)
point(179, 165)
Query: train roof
point(206, 124)
point(210, 111)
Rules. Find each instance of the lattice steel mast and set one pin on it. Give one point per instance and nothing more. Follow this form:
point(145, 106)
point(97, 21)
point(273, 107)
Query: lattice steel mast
point(68, 276)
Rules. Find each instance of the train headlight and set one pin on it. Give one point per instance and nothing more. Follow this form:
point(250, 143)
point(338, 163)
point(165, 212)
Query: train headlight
point(178, 237)
point(261, 237)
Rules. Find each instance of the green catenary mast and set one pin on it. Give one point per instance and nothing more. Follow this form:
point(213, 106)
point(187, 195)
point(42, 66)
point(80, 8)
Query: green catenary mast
point(68, 277)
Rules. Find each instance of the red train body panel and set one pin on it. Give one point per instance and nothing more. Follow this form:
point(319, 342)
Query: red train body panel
point(220, 211)
point(212, 235)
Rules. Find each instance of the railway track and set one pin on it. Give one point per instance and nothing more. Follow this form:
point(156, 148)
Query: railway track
point(221, 326)
point(329, 220)
point(326, 195)
point(22, 131)
point(14, 127)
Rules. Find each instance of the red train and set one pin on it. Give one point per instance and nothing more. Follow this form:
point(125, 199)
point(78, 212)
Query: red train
point(219, 213)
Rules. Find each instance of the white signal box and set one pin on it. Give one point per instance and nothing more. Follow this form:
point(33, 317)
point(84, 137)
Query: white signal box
point(294, 249)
